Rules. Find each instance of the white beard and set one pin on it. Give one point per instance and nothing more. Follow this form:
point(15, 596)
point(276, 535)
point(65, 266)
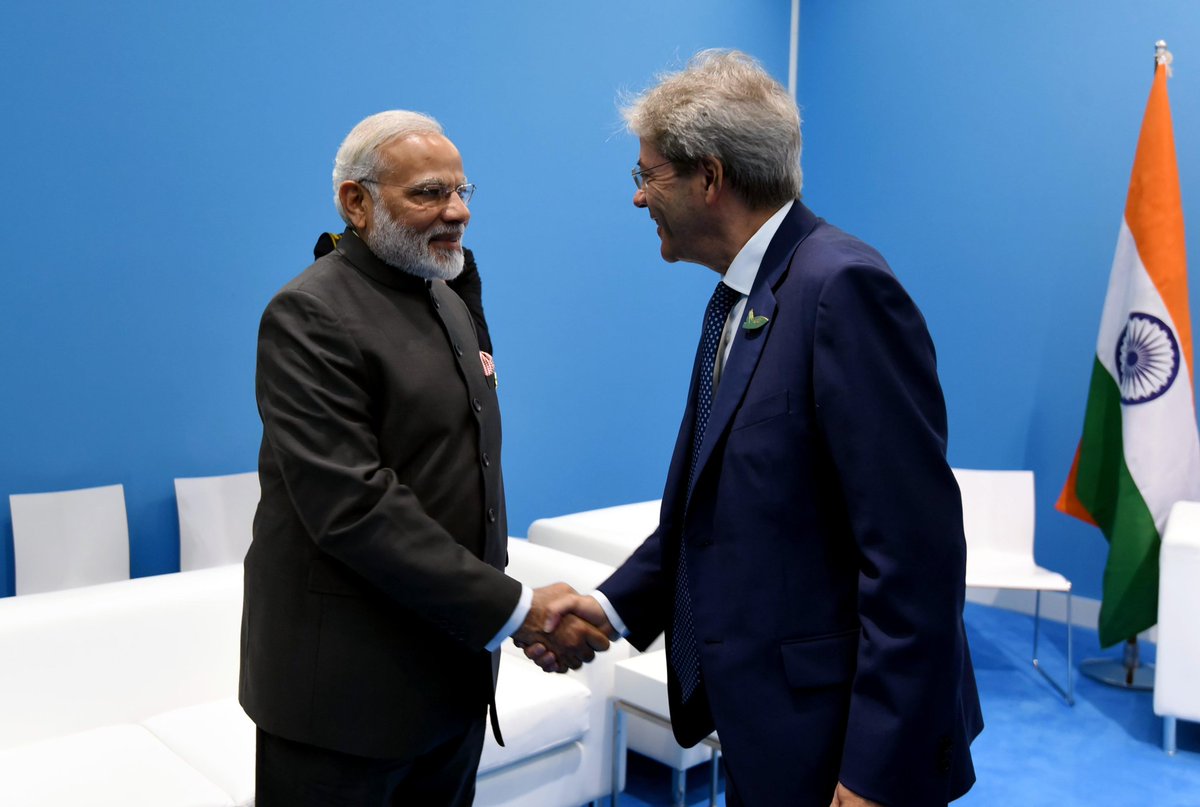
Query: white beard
point(409, 251)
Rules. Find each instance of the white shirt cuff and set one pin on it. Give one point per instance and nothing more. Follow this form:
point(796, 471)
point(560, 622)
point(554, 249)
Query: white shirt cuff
point(613, 618)
point(516, 620)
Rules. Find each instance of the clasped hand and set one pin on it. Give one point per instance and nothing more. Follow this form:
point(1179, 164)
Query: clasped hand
point(563, 629)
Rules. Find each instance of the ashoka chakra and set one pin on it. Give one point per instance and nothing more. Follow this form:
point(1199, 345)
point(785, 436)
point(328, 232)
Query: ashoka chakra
point(1147, 358)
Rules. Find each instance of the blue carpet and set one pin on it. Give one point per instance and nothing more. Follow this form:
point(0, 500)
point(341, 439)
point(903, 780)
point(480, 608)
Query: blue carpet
point(1036, 750)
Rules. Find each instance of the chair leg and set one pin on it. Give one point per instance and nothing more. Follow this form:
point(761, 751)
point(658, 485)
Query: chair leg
point(1169, 735)
point(1068, 694)
point(679, 788)
point(716, 774)
point(618, 753)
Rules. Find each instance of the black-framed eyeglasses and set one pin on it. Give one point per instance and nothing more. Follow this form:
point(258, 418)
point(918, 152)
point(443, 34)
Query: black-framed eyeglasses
point(639, 174)
point(433, 194)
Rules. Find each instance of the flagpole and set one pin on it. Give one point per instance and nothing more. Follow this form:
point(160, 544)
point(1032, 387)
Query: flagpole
point(1129, 672)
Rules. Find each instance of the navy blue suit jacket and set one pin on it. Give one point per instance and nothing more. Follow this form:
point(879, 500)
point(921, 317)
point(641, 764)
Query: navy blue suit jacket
point(825, 543)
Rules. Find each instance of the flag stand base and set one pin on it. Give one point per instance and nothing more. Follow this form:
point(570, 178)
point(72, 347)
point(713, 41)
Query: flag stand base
point(1113, 673)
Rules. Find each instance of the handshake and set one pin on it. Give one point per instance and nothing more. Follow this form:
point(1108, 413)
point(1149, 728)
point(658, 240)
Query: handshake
point(563, 629)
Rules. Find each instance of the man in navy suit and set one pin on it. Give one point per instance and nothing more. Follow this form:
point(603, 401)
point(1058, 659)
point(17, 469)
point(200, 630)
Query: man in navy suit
point(808, 568)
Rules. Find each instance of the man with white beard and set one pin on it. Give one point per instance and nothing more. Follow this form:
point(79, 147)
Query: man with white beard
point(375, 600)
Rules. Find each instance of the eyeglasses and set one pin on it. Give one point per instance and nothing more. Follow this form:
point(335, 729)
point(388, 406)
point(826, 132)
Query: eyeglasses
point(433, 195)
point(640, 177)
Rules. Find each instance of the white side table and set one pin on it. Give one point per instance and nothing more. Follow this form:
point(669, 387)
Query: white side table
point(640, 689)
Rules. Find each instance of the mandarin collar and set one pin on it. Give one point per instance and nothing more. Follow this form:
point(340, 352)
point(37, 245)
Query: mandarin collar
point(360, 256)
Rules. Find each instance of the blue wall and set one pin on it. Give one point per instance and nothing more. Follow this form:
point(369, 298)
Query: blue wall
point(167, 169)
point(985, 149)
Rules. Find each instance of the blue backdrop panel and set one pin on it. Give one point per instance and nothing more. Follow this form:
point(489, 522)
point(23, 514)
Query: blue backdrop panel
point(167, 168)
point(985, 149)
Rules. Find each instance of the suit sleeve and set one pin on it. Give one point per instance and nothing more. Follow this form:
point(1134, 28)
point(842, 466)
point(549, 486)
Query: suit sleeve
point(637, 592)
point(315, 405)
point(881, 411)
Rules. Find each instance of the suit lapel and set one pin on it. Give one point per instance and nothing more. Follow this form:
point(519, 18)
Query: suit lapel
point(748, 344)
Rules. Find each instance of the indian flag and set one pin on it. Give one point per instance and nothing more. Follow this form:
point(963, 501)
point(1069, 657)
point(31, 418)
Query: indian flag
point(1140, 453)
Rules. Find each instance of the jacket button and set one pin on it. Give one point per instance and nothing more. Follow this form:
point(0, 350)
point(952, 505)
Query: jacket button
point(491, 515)
point(457, 349)
point(476, 405)
point(487, 461)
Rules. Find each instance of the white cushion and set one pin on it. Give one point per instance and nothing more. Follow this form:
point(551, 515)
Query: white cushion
point(117, 653)
point(217, 739)
point(608, 535)
point(116, 766)
point(538, 711)
point(642, 681)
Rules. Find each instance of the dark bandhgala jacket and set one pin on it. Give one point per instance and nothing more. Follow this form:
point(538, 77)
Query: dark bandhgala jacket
point(374, 581)
point(825, 547)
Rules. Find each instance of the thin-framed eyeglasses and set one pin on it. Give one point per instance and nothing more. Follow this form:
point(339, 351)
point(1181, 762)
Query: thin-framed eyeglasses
point(433, 194)
point(640, 177)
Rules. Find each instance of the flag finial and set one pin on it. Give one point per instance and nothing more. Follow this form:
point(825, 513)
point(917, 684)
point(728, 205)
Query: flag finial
point(1162, 55)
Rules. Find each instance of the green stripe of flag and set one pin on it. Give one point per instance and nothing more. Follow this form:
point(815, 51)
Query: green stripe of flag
point(1106, 488)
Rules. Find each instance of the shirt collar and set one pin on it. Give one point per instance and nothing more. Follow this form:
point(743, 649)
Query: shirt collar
point(744, 269)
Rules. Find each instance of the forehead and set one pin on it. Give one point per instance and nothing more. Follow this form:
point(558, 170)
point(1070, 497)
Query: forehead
point(421, 156)
point(648, 155)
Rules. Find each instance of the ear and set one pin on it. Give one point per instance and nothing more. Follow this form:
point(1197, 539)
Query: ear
point(357, 204)
point(713, 172)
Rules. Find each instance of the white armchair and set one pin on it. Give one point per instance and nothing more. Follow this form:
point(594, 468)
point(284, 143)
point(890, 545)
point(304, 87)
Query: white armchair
point(1176, 695)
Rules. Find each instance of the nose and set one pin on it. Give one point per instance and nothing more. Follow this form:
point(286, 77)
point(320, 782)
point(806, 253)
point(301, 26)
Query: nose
point(639, 197)
point(456, 210)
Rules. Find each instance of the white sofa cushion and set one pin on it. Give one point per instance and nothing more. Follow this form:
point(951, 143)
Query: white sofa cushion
point(115, 766)
point(608, 535)
point(216, 739)
point(117, 653)
point(538, 711)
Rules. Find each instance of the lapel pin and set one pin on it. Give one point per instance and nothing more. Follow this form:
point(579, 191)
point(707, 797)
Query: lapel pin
point(753, 323)
point(489, 368)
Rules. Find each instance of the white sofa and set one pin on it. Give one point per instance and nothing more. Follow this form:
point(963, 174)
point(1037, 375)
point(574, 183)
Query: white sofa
point(1176, 696)
point(609, 535)
point(125, 694)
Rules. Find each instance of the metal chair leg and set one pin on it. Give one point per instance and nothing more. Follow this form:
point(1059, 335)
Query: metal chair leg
point(618, 753)
point(1169, 735)
point(716, 771)
point(679, 787)
point(1068, 694)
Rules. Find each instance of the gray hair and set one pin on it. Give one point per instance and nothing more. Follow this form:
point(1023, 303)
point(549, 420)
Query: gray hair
point(358, 156)
point(725, 105)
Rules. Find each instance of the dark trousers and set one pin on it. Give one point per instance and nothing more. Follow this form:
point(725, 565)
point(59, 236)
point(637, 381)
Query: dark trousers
point(291, 774)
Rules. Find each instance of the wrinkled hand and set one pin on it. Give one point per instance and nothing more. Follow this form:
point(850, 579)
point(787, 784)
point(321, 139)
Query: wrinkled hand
point(554, 639)
point(568, 610)
point(845, 797)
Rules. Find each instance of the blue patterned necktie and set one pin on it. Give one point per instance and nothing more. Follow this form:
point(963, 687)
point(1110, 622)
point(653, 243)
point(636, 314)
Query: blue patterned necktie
point(685, 657)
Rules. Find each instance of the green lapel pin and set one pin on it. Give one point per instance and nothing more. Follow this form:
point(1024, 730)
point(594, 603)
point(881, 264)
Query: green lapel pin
point(753, 323)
